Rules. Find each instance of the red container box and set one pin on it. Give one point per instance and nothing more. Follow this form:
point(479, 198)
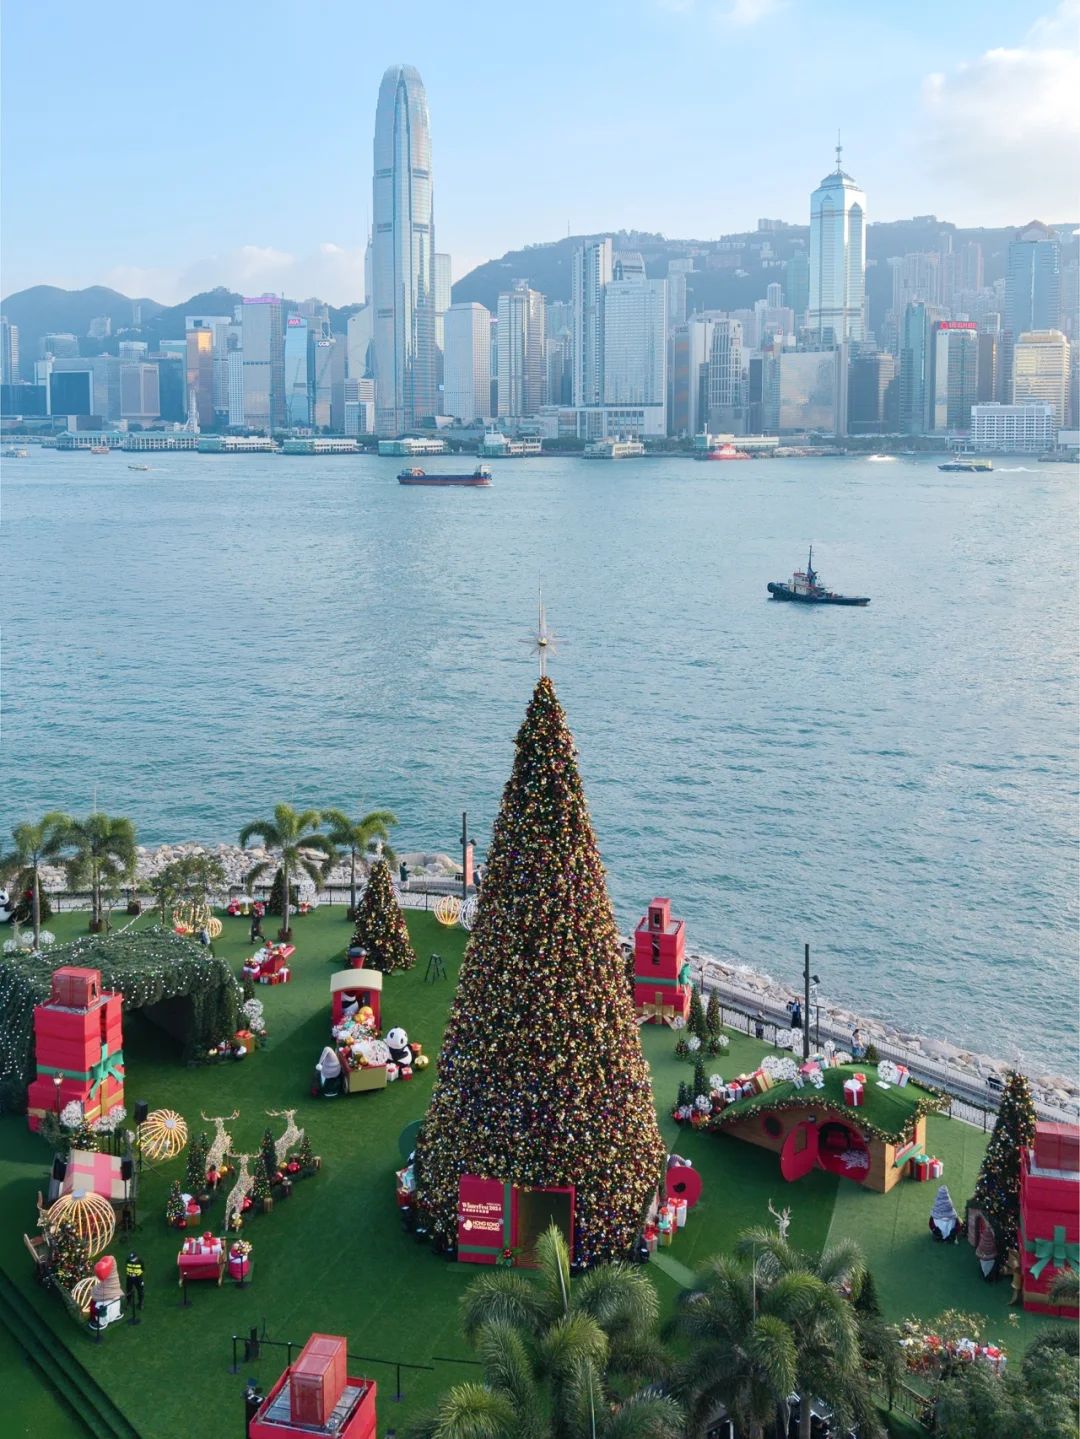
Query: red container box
point(1057, 1146)
point(76, 988)
point(317, 1379)
point(659, 943)
point(673, 997)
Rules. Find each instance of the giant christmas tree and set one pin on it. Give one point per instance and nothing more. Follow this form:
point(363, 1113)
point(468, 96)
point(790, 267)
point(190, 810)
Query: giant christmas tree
point(541, 1079)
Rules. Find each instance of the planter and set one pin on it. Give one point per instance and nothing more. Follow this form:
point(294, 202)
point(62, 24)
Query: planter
point(97, 926)
point(285, 936)
point(134, 907)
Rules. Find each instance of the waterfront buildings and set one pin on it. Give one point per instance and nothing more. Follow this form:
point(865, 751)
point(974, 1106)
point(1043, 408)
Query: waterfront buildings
point(264, 364)
point(9, 352)
point(689, 379)
point(725, 395)
point(1032, 289)
point(358, 334)
point(872, 394)
point(953, 385)
point(807, 391)
point(521, 351)
point(1041, 370)
point(297, 388)
point(403, 255)
point(590, 276)
point(635, 337)
point(200, 369)
point(140, 398)
point(1029, 428)
point(837, 259)
point(797, 285)
point(467, 362)
point(916, 339)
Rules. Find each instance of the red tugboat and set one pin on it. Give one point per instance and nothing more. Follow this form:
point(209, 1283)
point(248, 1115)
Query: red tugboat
point(480, 476)
point(727, 452)
point(804, 589)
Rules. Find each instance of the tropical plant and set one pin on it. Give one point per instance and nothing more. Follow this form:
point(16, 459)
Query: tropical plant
point(1065, 1290)
point(547, 1345)
point(193, 879)
point(104, 848)
point(764, 1325)
point(300, 849)
point(1038, 1401)
point(360, 837)
point(34, 844)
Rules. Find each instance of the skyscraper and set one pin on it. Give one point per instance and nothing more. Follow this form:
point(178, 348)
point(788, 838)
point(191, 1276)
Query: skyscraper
point(725, 376)
point(635, 339)
point(467, 362)
point(797, 285)
point(522, 352)
point(297, 383)
point(1041, 370)
point(9, 352)
point(264, 363)
point(1032, 289)
point(837, 259)
point(200, 370)
point(954, 375)
point(591, 273)
point(915, 346)
point(403, 255)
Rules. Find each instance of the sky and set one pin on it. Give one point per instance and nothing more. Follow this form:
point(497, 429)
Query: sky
point(165, 149)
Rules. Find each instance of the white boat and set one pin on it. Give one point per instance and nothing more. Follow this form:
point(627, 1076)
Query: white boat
point(138, 467)
point(613, 450)
point(16, 454)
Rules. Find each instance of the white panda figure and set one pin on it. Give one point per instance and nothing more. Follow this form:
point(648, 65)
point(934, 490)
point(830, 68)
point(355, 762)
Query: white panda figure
point(6, 907)
point(397, 1041)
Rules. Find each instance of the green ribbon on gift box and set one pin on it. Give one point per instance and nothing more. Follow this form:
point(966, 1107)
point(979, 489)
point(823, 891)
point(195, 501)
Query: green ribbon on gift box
point(1054, 1252)
point(107, 1068)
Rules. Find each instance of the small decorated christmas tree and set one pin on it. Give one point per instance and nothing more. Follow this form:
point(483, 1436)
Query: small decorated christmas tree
point(84, 1137)
point(696, 1021)
point(712, 1016)
point(195, 1175)
point(997, 1194)
point(304, 1157)
point(70, 1255)
point(260, 1189)
point(268, 1156)
point(541, 1078)
point(380, 925)
point(701, 1083)
point(273, 904)
point(175, 1212)
point(684, 1096)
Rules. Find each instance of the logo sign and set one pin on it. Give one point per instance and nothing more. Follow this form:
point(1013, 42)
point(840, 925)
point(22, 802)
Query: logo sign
point(483, 1218)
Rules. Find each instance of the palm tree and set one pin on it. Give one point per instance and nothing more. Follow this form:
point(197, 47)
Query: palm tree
point(300, 848)
point(34, 844)
point(357, 836)
point(824, 1321)
point(546, 1350)
point(104, 853)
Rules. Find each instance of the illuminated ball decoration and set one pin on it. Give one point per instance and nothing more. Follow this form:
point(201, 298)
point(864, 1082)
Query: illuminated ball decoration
point(541, 1080)
point(163, 1134)
point(467, 917)
point(447, 909)
point(91, 1215)
point(82, 1294)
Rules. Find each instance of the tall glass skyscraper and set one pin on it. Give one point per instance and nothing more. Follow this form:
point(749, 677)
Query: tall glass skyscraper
point(403, 255)
point(837, 259)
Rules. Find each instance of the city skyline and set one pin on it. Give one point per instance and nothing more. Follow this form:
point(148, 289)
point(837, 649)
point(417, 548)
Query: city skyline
point(987, 76)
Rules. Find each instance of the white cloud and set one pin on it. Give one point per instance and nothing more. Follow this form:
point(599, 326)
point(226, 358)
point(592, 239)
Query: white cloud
point(329, 271)
point(1003, 129)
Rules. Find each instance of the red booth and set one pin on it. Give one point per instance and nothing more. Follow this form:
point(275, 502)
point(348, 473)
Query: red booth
point(316, 1396)
point(1050, 1214)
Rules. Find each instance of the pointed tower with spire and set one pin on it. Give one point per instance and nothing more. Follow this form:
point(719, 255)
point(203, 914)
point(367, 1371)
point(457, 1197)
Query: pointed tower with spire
point(542, 1101)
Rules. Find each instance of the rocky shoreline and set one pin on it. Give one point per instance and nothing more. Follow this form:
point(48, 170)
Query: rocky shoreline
point(1053, 1091)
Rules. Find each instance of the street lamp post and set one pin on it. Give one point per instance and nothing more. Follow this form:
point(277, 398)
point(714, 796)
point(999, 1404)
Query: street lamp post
point(808, 979)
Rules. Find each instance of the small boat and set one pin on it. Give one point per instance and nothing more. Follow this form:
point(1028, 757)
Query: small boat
point(965, 463)
point(143, 468)
point(16, 454)
point(804, 589)
point(727, 452)
point(99, 449)
point(480, 476)
point(881, 459)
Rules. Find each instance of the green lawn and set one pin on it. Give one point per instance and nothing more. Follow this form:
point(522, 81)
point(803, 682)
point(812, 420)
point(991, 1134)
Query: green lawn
point(334, 1258)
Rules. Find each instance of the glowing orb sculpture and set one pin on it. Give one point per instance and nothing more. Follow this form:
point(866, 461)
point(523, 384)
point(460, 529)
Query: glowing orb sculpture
point(467, 917)
point(447, 909)
point(91, 1215)
point(163, 1134)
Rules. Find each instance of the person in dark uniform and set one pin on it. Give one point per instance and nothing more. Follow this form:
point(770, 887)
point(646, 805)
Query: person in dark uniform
point(134, 1275)
point(256, 925)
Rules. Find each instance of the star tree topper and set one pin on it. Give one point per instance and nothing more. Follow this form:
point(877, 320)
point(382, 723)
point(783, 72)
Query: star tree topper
point(544, 642)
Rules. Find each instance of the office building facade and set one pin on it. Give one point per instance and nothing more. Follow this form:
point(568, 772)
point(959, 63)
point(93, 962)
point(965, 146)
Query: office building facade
point(9, 352)
point(591, 273)
point(264, 363)
point(954, 376)
point(837, 260)
point(1032, 290)
point(403, 256)
point(140, 397)
point(297, 380)
point(807, 391)
point(916, 337)
point(467, 362)
point(725, 397)
point(521, 351)
point(635, 340)
point(1041, 370)
point(1029, 428)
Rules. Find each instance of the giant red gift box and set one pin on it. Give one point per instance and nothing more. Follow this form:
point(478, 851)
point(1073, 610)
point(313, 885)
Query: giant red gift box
point(78, 1038)
point(317, 1379)
point(75, 988)
point(1049, 1214)
point(659, 944)
point(71, 1039)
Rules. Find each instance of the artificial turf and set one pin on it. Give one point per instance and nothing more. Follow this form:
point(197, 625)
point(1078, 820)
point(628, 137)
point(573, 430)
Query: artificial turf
point(334, 1258)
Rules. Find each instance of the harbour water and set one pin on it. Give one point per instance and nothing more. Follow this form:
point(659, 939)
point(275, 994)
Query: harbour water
point(896, 785)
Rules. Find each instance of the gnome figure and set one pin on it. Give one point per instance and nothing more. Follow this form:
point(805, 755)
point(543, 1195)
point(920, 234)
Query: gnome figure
point(943, 1217)
point(986, 1252)
point(108, 1297)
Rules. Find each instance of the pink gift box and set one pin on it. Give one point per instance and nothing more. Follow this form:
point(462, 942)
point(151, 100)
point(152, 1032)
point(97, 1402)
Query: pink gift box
point(902, 1075)
point(937, 1169)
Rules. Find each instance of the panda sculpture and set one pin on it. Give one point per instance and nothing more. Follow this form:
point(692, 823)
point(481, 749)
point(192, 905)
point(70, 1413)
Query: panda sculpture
point(7, 907)
point(397, 1041)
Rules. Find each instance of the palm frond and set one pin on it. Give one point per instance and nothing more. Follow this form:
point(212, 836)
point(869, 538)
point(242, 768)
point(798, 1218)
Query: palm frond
point(265, 829)
point(255, 872)
point(771, 1345)
point(646, 1416)
point(508, 1370)
point(472, 1411)
point(553, 1259)
point(620, 1298)
point(573, 1339)
point(502, 1296)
